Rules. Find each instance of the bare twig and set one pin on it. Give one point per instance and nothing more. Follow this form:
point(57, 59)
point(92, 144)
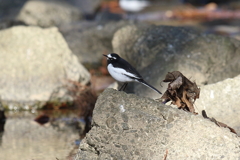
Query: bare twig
point(165, 156)
point(220, 124)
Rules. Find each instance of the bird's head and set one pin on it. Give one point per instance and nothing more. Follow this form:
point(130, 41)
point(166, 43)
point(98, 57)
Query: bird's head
point(112, 57)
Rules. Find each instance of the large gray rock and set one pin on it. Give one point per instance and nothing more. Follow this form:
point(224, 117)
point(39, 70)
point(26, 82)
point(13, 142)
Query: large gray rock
point(48, 13)
point(35, 63)
point(221, 101)
point(126, 126)
point(157, 50)
point(89, 40)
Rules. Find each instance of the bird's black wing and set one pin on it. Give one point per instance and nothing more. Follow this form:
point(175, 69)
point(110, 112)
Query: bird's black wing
point(133, 73)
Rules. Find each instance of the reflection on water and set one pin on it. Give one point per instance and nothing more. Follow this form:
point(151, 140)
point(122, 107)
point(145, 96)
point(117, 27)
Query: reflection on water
point(1, 134)
point(25, 139)
point(2, 123)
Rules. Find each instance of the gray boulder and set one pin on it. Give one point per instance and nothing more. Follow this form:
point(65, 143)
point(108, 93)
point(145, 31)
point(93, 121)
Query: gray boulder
point(157, 50)
point(221, 101)
point(48, 13)
point(126, 126)
point(35, 64)
point(89, 40)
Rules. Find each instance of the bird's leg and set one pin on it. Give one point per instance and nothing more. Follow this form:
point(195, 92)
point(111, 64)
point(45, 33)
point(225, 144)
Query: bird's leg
point(123, 87)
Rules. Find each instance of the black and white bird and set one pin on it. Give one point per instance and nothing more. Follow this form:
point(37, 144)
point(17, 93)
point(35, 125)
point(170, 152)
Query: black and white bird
point(122, 71)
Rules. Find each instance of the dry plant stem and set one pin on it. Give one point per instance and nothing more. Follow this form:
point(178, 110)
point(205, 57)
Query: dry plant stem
point(220, 124)
point(165, 156)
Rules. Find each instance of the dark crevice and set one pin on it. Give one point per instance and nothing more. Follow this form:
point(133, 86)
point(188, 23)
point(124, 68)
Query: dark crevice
point(95, 148)
point(164, 117)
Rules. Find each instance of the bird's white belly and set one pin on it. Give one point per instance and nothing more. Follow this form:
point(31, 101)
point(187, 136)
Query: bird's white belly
point(118, 74)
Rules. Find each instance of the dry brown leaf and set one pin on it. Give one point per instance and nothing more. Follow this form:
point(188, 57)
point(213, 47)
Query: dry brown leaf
point(181, 91)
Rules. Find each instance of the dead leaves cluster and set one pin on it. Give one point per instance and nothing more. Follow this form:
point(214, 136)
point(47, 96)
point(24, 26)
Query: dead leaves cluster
point(181, 91)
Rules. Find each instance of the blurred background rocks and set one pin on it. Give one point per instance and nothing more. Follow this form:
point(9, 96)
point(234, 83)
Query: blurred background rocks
point(52, 64)
point(36, 63)
point(89, 40)
point(48, 13)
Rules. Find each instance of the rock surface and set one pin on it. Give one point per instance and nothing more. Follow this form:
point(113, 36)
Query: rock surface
point(221, 101)
point(89, 40)
point(126, 126)
point(157, 50)
point(48, 13)
point(35, 63)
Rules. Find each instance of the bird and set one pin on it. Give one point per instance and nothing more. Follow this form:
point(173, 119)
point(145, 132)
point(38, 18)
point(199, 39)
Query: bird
point(133, 5)
point(124, 72)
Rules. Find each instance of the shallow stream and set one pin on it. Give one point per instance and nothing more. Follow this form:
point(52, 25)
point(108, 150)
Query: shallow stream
point(25, 139)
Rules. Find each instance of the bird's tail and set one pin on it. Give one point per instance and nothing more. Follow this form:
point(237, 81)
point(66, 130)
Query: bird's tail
point(148, 85)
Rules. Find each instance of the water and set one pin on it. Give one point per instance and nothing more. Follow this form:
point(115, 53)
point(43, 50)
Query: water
point(25, 139)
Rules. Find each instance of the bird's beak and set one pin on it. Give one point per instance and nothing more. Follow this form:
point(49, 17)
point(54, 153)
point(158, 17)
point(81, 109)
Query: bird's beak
point(105, 55)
